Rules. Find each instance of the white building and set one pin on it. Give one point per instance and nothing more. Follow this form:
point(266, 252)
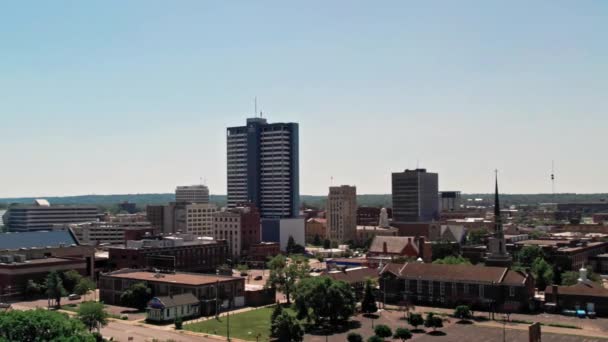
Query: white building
point(192, 194)
point(199, 219)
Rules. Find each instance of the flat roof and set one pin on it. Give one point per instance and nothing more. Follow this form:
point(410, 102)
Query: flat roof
point(173, 278)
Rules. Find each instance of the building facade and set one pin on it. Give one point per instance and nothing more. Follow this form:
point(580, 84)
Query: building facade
point(192, 194)
point(316, 227)
point(42, 216)
point(342, 213)
point(449, 200)
point(263, 167)
point(239, 226)
point(495, 289)
point(199, 218)
point(415, 196)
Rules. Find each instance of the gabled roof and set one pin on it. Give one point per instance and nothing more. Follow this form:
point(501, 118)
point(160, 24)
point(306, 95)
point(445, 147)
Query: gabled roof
point(394, 244)
point(40, 239)
point(317, 219)
point(453, 233)
point(456, 273)
point(354, 275)
point(580, 289)
point(177, 300)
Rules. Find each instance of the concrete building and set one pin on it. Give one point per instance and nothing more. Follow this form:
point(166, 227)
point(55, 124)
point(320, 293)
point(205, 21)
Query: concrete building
point(449, 200)
point(154, 215)
point(199, 219)
point(370, 216)
point(279, 230)
point(42, 216)
point(342, 213)
point(103, 232)
point(263, 167)
point(415, 196)
point(365, 233)
point(239, 226)
point(192, 194)
point(183, 252)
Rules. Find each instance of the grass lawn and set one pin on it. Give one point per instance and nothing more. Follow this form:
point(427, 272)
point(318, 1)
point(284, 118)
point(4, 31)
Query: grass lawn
point(73, 307)
point(254, 321)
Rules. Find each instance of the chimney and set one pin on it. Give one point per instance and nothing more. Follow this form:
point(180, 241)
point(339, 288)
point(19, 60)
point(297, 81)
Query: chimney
point(384, 248)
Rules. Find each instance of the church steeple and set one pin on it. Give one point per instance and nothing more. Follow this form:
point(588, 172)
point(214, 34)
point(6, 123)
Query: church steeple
point(498, 255)
point(497, 217)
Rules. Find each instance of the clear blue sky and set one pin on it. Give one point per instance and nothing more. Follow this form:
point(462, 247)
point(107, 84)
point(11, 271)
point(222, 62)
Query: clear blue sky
point(134, 96)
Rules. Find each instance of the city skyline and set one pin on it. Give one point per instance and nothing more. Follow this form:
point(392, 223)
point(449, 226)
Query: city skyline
point(142, 105)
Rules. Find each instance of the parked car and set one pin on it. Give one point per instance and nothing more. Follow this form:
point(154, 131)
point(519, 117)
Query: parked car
point(73, 296)
point(258, 277)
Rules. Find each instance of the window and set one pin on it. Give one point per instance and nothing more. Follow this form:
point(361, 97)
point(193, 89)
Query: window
point(430, 287)
point(465, 288)
point(511, 291)
point(406, 285)
point(481, 288)
point(454, 289)
point(419, 286)
point(442, 289)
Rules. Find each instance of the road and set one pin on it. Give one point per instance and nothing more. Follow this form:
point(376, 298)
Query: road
point(121, 331)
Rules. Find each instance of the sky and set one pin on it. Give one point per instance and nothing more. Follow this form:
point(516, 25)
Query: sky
point(102, 97)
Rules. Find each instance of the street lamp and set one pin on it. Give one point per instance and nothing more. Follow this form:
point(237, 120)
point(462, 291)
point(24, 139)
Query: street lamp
point(227, 307)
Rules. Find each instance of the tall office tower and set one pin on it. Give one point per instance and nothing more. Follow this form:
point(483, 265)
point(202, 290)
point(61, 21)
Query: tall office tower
point(192, 194)
point(342, 213)
point(263, 167)
point(415, 196)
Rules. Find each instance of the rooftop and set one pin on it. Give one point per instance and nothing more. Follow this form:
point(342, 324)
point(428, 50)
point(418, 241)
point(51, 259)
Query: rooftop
point(354, 275)
point(39, 239)
point(394, 244)
point(173, 278)
point(580, 289)
point(441, 272)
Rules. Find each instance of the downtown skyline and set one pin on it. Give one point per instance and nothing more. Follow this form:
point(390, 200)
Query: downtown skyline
point(453, 88)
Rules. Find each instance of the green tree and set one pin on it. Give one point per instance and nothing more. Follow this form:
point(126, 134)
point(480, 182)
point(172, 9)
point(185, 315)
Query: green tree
point(571, 278)
point(415, 320)
point(278, 309)
point(463, 312)
point(528, 254)
point(317, 240)
point(402, 334)
point(326, 244)
point(433, 321)
point(41, 325)
point(453, 260)
point(136, 296)
point(70, 279)
point(322, 299)
point(92, 315)
point(179, 323)
point(286, 328)
point(293, 247)
point(283, 276)
point(32, 289)
point(444, 248)
point(242, 269)
point(368, 303)
point(354, 337)
point(84, 286)
point(477, 236)
point(543, 273)
point(375, 338)
point(54, 287)
point(383, 331)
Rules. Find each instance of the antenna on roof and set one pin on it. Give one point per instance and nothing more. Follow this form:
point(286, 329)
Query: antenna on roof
point(255, 106)
point(553, 179)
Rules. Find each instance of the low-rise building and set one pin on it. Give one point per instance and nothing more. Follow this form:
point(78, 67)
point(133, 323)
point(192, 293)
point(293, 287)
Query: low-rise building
point(496, 289)
point(355, 277)
point(365, 233)
point(567, 254)
point(168, 308)
point(182, 252)
point(387, 248)
point(316, 227)
point(448, 232)
point(42, 216)
point(104, 232)
point(211, 290)
point(585, 295)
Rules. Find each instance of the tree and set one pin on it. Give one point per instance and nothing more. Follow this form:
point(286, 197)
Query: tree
point(528, 254)
point(433, 321)
point(444, 248)
point(84, 286)
point(278, 309)
point(283, 276)
point(70, 279)
point(543, 273)
point(179, 323)
point(453, 260)
point(92, 315)
point(54, 287)
point(41, 325)
point(242, 269)
point(317, 240)
point(477, 236)
point(136, 296)
point(286, 328)
point(375, 338)
point(368, 304)
point(326, 244)
point(383, 331)
point(415, 320)
point(322, 299)
point(402, 334)
point(463, 312)
point(571, 278)
point(32, 289)
point(354, 337)
point(293, 247)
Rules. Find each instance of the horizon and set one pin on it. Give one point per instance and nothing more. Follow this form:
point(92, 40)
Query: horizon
point(142, 105)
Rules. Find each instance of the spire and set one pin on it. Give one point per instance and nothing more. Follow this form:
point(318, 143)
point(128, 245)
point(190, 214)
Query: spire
point(497, 218)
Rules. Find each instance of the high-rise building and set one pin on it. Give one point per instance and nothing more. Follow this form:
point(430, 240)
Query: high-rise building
point(42, 216)
point(262, 163)
point(415, 196)
point(342, 213)
point(199, 219)
point(192, 194)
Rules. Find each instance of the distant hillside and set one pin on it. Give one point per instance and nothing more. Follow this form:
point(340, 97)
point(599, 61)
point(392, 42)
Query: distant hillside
point(317, 201)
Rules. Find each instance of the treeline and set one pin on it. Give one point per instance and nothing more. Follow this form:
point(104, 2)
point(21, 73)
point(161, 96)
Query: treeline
point(380, 200)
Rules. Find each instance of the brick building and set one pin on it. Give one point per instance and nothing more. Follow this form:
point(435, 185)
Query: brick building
point(180, 252)
point(569, 255)
point(496, 289)
point(239, 226)
point(210, 289)
point(315, 227)
point(585, 295)
point(387, 248)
